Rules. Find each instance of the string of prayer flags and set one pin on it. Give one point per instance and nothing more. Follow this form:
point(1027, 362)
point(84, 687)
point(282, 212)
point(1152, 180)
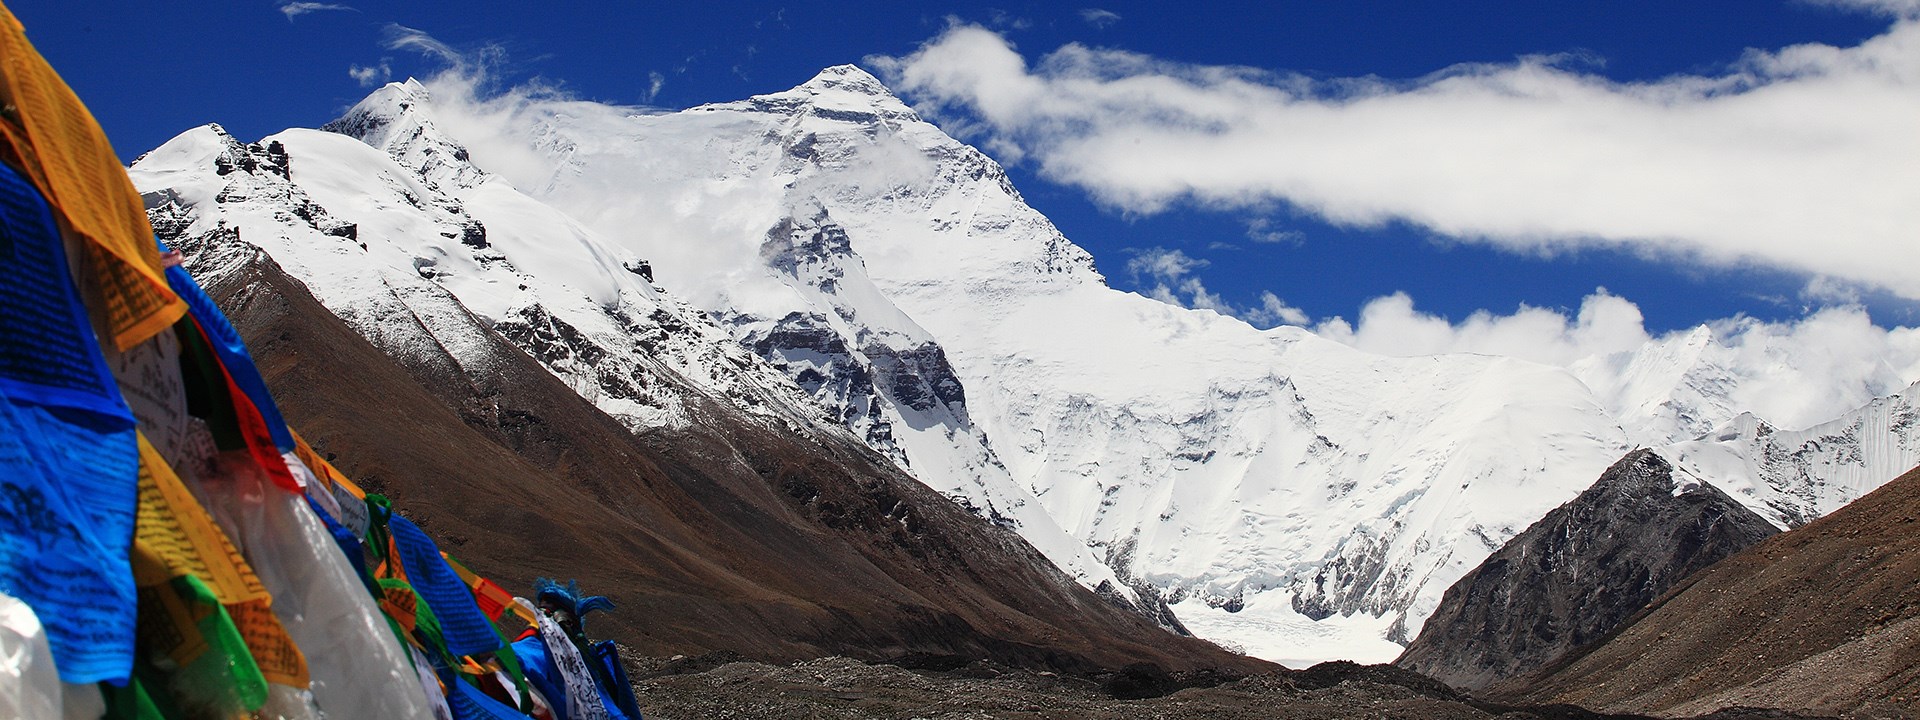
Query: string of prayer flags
point(50, 135)
point(209, 333)
point(212, 567)
point(492, 599)
point(468, 630)
point(351, 500)
point(468, 703)
point(232, 351)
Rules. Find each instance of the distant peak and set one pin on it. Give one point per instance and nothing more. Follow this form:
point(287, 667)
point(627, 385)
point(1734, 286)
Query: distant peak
point(848, 78)
point(1699, 336)
point(842, 92)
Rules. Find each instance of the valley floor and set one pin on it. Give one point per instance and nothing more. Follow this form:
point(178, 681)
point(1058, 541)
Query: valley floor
point(838, 688)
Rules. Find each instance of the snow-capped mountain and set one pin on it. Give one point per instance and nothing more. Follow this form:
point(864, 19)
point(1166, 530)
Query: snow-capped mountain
point(1272, 482)
point(378, 241)
point(1793, 477)
point(1666, 391)
point(827, 260)
point(1688, 384)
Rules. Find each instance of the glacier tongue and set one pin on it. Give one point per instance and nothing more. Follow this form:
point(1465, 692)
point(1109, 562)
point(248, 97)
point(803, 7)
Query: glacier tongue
point(825, 259)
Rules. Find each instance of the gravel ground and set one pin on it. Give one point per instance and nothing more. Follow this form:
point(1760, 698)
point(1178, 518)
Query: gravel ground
point(835, 688)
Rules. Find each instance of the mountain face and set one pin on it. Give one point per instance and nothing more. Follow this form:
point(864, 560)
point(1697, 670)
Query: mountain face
point(784, 284)
point(1580, 572)
point(1793, 477)
point(827, 266)
point(1268, 482)
point(727, 525)
point(1819, 620)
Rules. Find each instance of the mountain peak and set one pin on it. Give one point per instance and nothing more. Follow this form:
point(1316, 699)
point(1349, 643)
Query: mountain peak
point(849, 78)
point(842, 92)
point(398, 118)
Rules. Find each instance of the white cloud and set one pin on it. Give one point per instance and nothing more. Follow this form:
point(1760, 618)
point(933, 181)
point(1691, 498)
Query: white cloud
point(1099, 18)
point(1274, 311)
point(1391, 325)
point(1794, 374)
point(296, 9)
point(1163, 264)
point(401, 37)
point(1167, 276)
point(371, 75)
point(1808, 371)
point(655, 81)
point(1895, 8)
point(1804, 158)
point(1263, 230)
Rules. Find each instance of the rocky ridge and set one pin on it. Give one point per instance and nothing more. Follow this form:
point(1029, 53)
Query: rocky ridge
point(1581, 571)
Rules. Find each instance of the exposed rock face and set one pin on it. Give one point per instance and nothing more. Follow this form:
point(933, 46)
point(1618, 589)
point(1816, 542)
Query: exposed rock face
point(1822, 619)
point(1580, 572)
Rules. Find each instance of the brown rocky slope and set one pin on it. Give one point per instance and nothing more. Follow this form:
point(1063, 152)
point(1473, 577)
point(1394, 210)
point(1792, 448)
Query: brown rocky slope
point(730, 536)
point(1822, 619)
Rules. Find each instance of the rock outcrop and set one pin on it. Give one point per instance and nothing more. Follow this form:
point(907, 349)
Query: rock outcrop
point(1580, 572)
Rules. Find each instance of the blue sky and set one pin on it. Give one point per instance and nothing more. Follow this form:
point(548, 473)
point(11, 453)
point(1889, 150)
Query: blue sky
point(151, 70)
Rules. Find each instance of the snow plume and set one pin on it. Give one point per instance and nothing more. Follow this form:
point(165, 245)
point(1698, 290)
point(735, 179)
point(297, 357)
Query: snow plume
point(491, 121)
point(1167, 276)
point(1794, 374)
point(1803, 158)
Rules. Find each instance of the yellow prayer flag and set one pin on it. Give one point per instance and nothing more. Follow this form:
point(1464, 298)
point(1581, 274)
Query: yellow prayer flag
point(175, 536)
point(51, 136)
point(280, 660)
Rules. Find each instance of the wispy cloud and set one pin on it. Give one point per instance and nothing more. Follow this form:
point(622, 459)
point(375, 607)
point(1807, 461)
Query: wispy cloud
point(1007, 21)
point(1801, 158)
point(1169, 276)
point(1099, 18)
point(371, 75)
point(655, 81)
point(296, 9)
point(1265, 231)
point(401, 37)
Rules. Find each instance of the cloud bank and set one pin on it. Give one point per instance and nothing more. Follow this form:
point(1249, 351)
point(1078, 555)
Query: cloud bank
point(1795, 374)
point(1804, 158)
